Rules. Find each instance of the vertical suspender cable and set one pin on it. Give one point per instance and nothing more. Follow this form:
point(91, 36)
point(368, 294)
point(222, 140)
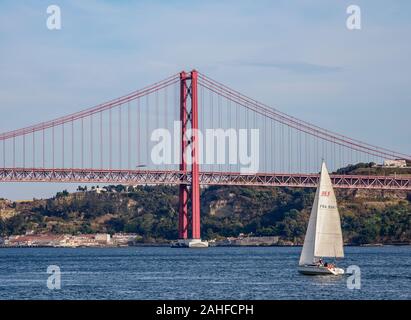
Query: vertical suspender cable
point(52, 145)
point(91, 143)
point(128, 136)
point(110, 146)
point(138, 131)
point(120, 138)
point(101, 140)
point(72, 143)
point(24, 150)
point(62, 145)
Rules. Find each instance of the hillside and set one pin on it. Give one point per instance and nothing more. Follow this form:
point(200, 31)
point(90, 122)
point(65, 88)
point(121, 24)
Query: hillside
point(152, 212)
point(372, 169)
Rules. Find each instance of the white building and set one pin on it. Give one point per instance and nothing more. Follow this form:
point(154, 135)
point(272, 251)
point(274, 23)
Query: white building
point(123, 239)
point(102, 237)
point(397, 163)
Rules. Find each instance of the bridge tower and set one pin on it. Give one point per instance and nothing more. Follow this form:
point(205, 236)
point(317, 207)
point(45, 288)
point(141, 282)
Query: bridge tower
point(189, 157)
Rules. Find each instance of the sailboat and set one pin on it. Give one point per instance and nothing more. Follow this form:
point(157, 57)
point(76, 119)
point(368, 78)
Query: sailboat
point(324, 237)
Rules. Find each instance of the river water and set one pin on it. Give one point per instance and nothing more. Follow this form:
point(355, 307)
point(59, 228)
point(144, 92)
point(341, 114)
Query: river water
point(213, 273)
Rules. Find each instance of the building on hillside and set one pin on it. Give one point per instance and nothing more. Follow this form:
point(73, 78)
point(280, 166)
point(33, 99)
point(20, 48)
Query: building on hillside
point(41, 240)
point(83, 240)
point(123, 239)
point(397, 163)
point(249, 241)
point(102, 238)
point(98, 190)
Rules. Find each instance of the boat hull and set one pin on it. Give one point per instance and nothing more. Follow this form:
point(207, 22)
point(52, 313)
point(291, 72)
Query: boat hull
point(190, 243)
point(314, 270)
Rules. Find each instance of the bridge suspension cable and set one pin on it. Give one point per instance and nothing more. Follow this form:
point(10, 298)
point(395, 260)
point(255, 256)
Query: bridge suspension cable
point(117, 135)
point(298, 124)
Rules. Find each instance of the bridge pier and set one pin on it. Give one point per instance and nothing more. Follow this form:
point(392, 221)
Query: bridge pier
point(183, 188)
point(189, 123)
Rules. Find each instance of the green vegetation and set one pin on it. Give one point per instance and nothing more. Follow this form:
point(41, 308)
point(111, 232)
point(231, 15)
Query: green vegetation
point(370, 168)
point(152, 212)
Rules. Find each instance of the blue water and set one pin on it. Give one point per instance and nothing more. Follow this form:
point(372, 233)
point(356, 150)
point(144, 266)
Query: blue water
point(214, 273)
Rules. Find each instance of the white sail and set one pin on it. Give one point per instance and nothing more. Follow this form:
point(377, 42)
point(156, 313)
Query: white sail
point(324, 236)
point(307, 255)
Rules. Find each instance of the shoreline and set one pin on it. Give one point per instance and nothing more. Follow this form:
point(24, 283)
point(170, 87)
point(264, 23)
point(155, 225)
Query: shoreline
point(218, 246)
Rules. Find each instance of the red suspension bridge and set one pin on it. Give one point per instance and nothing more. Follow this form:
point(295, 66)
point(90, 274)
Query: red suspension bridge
point(113, 143)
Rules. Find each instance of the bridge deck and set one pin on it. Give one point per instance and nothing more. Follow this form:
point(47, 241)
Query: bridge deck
point(143, 177)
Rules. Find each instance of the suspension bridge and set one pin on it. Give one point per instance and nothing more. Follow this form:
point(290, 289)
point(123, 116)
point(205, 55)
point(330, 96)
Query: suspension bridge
point(113, 143)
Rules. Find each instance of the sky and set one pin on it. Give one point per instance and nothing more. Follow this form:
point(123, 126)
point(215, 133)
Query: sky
point(297, 56)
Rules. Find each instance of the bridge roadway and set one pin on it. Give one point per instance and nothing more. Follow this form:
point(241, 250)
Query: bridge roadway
point(170, 177)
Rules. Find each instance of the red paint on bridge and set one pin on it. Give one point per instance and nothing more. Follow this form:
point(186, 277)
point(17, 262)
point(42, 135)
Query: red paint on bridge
point(288, 145)
point(151, 177)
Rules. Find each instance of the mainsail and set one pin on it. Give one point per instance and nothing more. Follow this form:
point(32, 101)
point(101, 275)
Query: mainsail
point(323, 237)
